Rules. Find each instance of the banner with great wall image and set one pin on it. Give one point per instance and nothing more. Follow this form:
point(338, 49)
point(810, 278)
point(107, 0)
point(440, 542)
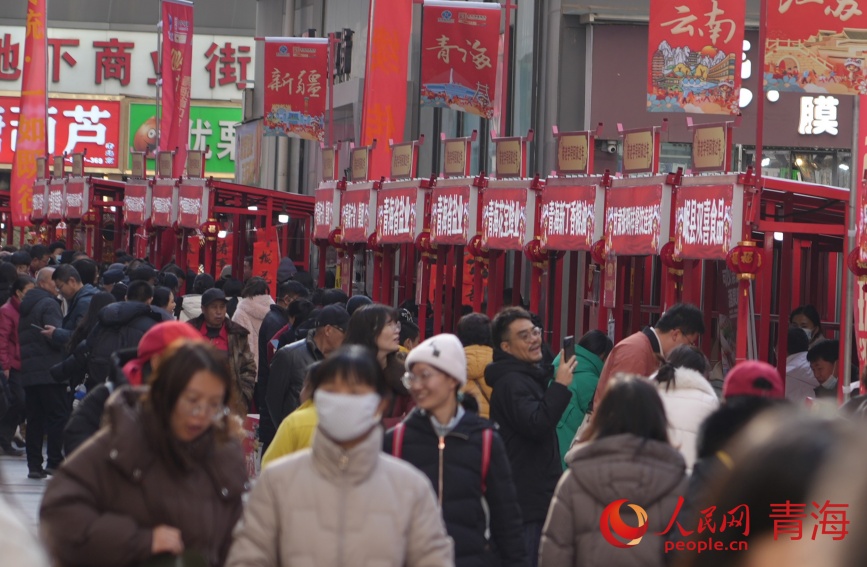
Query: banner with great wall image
point(816, 46)
point(694, 56)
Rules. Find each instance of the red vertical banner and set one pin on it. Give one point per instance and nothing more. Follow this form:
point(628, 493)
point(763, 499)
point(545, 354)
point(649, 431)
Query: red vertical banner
point(177, 61)
point(385, 82)
point(194, 253)
point(296, 70)
point(860, 297)
point(459, 45)
point(266, 257)
point(225, 248)
point(32, 140)
point(694, 56)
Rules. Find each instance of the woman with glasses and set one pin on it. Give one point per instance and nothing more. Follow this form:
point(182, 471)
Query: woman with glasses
point(377, 327)
point(462, 456)
point(164, 476)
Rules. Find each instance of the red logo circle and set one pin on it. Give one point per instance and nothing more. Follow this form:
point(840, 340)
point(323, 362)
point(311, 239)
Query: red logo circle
point(616, 531)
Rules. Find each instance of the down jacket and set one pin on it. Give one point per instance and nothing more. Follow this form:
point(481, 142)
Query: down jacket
point(191, 307)
point(38, 353)
point(331, 506)
point(77, 309)
point(645, 472)
point(478, 357)
point(287, 376)
point(461, 483)
point(103, 503)
point(10, 348)
point(250, 313)
point(687, 403)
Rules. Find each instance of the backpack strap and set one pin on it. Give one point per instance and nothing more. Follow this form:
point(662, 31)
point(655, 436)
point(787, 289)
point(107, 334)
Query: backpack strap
point(397, 440)
point(487, 441)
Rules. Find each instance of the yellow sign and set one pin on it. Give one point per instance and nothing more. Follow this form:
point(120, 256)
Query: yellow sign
point(709, 149)
point(138, 164)
point(58, 166)
point(572, 153)
point(40, 168)
point(509, 158)
point(360, 164)
point(328, 164)
point(165, 165)
point(401, 161)
point(77, 165)
point(454, 164)
point(638, 152)
point(195, 163)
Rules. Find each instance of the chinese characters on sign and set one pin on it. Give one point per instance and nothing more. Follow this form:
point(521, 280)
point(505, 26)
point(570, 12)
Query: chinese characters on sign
point(177, 54)
point(296, 70)
point(136, 202)
point(707, 221)
point(568, 220)
point(450, 221)
point(572, 154)
point(638, 152)
point(636, 219)
point(507, 218)
point(710, 148)
point(163, 204)
point(193, 201)
point(355, 218)
point(694, 56)
point(818, 115)
point(397, 213)
point(459, 54)
point(327, 199)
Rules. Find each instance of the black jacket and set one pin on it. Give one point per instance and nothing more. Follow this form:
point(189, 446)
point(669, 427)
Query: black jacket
point(38, 354)
point(527, 411)
point(275, 320)
point(78, 307)
point(462, 489)
point(288, 370)
point(120, 325)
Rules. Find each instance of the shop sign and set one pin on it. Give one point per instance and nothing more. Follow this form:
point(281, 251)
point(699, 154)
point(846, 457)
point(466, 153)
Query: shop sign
point(818, 115)
point(398, 212)
point(568, 216)
point(137, 202)
point(694, 56)
point(508, 216)
point(77, 199)
point(459, 56)
point(326, 210)
point(453, 214)
point(637, 218)
point(709, 148)
point(356, 220)
point(708, 221)
point(212, 130)
point(193, 201)
point(248, 144)
point(164, 203)
point(638, 150)
point(56, 189)
point(109, 62)
point(573, 151)
point(455, 158)
point(78, 125)
point(815, 46)
point(509, 158)
point(296, 70)
point(40, 192)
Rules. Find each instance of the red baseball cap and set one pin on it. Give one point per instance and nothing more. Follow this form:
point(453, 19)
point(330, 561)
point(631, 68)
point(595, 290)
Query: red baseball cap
point(155, 340)
point(753, 378)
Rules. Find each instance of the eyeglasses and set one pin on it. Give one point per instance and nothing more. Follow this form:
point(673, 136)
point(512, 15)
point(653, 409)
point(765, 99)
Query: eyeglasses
point(530, 334)
point(409, 378)
point(212, 411)
point(395, 324)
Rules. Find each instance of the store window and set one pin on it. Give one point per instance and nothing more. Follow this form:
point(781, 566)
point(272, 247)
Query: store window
point(826, 167)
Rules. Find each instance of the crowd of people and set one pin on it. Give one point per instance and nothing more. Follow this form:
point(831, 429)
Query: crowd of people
point(475, 448)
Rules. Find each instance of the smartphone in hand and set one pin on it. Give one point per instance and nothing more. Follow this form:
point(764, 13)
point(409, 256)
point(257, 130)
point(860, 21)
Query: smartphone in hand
point(569, 347)
point(37, 327)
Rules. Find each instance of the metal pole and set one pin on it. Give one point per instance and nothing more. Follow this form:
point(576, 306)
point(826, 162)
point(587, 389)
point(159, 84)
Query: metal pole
point(850, 304)
point(760, 108)
point(159, 82)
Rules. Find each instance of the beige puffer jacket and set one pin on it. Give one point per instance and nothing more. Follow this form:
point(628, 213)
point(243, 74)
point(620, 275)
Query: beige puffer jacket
point(329, 506)
point(249, 314)
point(478, 357)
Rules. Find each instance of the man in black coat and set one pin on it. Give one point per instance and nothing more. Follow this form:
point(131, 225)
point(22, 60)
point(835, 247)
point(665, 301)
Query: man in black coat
point(527, 410)
point(46, 403)
point(276, 319)
point(68, 282)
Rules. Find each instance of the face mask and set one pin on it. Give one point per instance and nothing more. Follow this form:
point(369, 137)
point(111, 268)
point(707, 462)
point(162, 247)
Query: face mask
point(809, 333)
point(830, 383)
point(57, 258)
point(344, 417)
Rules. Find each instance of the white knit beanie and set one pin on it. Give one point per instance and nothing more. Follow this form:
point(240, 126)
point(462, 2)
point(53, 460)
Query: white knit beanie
point(444, 352)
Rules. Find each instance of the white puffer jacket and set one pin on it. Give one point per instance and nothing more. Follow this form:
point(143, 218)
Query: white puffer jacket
point(191, 307)
point(249, 314)
point(688, 401)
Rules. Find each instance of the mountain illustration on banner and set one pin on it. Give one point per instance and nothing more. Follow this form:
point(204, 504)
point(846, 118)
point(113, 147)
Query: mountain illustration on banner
point(685, 80)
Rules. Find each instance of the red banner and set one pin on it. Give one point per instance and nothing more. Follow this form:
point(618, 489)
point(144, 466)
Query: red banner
point(323, 212)
point(705, 224)
point(164, 205)
point(459, 56)
point(295, 95)
point(815, 46)
point(54, 208)
point(694, 56)
point(76, 202)
point(451, 223)
point(636, 219)
point(32, 139)
point(225, 248)
point(356, 220)
point(569, 217)
point(194, 249)
point(385, 100)
point(177, 60)
point(266, 257)
point(860, 298)
point(192, 205)
point(136, 203)
point(507, 218)
point(399, 215)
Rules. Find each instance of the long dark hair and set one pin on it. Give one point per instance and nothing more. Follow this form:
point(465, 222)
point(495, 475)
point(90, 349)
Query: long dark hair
point(684, 356)
point(630, 405)
point(365, 326)
point(169, 380)
point(351, 363)
point(597, 342)
point(91, 318)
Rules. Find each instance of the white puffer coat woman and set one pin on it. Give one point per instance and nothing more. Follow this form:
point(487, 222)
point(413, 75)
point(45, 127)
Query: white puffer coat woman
point(250, 313)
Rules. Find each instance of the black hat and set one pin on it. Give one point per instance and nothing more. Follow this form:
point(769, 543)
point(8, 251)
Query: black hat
point(212, 295)
point(112, 277)
point(334, 315)
point(21, 258)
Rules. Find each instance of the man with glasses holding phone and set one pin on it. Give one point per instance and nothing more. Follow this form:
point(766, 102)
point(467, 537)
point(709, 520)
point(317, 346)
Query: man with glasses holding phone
point(527, 406)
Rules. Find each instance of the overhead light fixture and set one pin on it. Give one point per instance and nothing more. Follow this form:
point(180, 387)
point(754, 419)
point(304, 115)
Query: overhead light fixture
point(773, 96)
point(283, 218)
point(778, 236)
point(221, 234)
point(113, 209)
point(766, 162)
point(799, 162)
point(844, 166)
point(252, 208)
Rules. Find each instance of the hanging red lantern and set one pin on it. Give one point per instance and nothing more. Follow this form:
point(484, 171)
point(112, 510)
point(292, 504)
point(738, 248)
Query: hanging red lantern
point(373, 243)
point(533, 251)
point(90, 218)
point(476, 249)
point(335, 239)
point(858, 268)
point(745, 260)
point(597, 251)
point(210, 229)
point(423, 243)
point(666, 255)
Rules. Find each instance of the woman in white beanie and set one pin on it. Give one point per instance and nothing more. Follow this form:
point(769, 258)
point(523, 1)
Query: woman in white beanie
point(462, 455)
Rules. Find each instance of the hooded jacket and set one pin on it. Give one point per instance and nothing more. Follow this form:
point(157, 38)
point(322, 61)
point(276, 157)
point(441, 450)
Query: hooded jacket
point(583, 387)
point(461, 484)
point(527, 410)
point(102, 505)
point(286, 378)
point(191, 307)
point(250, 313)
point(38, 353)
point(478, 357)
point(78, 306)
point(10, 348)
point(687, 403)
point(331, 506)
point(645, 472)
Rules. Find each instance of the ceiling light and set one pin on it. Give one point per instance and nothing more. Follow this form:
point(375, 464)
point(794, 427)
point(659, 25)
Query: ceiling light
point(844, 166)
point(778, 236)
point(283, 218)
point(252, 208)
point(221, 234)
point(766, 162)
